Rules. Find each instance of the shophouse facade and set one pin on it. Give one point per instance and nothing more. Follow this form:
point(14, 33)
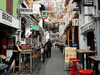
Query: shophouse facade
point(89, 24)
point(9, 24)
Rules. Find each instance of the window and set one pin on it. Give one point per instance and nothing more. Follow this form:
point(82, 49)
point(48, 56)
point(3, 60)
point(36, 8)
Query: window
point(9, 6)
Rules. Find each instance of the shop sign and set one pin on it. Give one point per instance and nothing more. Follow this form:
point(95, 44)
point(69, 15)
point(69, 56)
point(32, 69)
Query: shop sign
point(26, 11)
point(75, 22)
point(6, 16)
point(87, 2)
point(8, 20)
point(88, 27)
point(43, 14)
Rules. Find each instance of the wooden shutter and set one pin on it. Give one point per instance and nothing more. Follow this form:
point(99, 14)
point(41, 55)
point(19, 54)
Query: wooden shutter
point(9, 6)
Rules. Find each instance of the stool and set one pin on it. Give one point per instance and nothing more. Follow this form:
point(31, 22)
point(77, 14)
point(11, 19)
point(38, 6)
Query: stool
point(75, 66)
point(15, 66)
point(70, 60)
point(86, 72)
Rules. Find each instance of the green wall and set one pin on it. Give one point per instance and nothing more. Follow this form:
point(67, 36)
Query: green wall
point(15, 5)
point(3, 5)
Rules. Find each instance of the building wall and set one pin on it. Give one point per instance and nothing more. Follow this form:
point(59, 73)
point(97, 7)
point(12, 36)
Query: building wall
point(61, 30)
point(27, 28)
point(15, 6)
point(84, 20)
point(3, 5)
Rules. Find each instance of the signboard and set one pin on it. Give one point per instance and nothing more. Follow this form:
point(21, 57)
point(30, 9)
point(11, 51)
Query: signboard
point(8, 20)
point(75, 22)
point(69, 53)
point(34, 27)
point(26, 11)
point(87, 2)
point(88, 27)
point(43, 13)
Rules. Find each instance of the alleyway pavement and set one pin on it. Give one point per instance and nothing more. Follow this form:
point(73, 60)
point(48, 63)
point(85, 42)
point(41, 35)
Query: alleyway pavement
point(55, 65)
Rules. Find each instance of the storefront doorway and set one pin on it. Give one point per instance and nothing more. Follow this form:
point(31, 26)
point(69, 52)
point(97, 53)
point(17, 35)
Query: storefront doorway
point(70, 38)
point(0, 42)
point(3, 42)
point(90, 40)
point(76, 42)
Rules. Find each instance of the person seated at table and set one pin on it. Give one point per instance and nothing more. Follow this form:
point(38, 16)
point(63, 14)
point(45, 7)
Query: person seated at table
point(15, 56)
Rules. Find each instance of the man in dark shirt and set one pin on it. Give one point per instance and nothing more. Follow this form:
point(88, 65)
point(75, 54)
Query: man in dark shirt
point(49, 45)
point(16, 50)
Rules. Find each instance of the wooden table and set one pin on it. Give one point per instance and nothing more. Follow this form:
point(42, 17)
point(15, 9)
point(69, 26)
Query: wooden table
point(26, 52)
point(38, 57)
point(85, 56)
point(97, 60)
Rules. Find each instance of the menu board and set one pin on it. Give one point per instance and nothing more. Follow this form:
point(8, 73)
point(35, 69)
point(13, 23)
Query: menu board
point(69, 53)
point(10, 43)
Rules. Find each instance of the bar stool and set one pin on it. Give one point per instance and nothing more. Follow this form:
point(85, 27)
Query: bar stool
point(86, 72)
point(15, 66)
point(75, 67)
point(70, 60)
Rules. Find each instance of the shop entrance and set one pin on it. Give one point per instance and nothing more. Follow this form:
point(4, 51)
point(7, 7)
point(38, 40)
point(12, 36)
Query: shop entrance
point(70, 38)
point(75, 44)
point(90, 40)
point(0, 42)
point(3, 42)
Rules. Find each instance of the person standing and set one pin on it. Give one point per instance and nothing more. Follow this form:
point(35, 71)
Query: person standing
point(15, 56)
point(49, 45)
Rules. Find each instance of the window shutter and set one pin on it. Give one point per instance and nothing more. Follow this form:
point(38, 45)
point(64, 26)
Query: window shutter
point(9, 6)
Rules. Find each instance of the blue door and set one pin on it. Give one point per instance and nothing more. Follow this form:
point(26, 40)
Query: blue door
point(70, 38)
point(75, 44)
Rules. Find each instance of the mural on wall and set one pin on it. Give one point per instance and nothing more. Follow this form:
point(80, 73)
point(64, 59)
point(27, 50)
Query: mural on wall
point(28, 43)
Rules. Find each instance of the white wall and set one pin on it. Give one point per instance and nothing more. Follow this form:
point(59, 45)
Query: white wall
point(36, 6)
point(82, 21)
point(61, 29)
point(40, 23)
point(27, 29)
point(47, 37)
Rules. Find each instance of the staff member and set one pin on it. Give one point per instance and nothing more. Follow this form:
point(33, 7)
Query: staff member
point(49, 45)
point(15, 56)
